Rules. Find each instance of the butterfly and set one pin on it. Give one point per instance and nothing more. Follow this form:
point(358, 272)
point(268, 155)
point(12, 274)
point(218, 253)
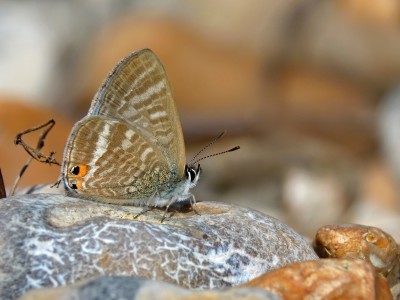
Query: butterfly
point(129, 148)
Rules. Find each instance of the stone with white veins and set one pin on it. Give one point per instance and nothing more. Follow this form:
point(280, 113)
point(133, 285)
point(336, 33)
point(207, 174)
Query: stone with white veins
point(52, 240)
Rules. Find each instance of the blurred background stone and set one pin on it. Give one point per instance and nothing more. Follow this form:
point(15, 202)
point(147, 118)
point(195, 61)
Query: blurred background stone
point(312, 199)
point(388, 125)
point(308, 90)
point(209, 80)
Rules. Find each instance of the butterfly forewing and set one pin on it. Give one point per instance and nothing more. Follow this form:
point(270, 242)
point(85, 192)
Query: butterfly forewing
point(110, 159)
point(138, 92)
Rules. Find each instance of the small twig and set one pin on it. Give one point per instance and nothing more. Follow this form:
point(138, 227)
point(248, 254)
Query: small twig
point(35, 153)
point(3, 193)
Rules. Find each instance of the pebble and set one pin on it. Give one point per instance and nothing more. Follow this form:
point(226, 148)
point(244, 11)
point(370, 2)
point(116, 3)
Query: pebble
point(52, 240)
point(133, 288)
point(367, 243)
point(325, 279)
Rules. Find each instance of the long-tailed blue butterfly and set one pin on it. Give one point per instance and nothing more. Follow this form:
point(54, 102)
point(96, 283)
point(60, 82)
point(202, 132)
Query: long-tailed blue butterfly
point(129, 148)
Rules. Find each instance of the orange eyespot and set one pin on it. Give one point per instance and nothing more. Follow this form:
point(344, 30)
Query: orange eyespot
point(78, 170)
point(75, 176)
point(75, 184)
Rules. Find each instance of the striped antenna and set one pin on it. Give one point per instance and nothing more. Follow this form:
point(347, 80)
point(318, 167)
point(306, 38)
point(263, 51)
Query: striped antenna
point(193, 161)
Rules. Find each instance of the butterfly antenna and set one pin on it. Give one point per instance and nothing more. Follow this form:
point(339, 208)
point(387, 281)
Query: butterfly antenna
point(204, 148)
point(215, 154)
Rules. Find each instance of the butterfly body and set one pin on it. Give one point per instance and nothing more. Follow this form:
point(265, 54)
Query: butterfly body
point(129, 149)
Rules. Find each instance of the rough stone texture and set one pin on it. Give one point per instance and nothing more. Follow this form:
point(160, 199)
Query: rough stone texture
point(52, 240)
point(124, 288)
point(325, 279)
point(359, 241)
point(368, 243)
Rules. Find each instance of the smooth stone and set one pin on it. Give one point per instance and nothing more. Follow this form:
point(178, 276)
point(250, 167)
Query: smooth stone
point(51, 240)
point(355, 241)
point(118, 287)
point(362, 242)
point(325, 279)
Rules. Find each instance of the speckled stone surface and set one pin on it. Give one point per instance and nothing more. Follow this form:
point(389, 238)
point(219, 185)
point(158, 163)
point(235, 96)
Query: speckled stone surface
point(118, 288)
point(52, 240)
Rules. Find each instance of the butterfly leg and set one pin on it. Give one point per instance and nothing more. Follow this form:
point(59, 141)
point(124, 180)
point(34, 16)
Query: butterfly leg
point(172, 201)
point(144, 210)
point(192, 199)
point(193, 202)
point(57, 184)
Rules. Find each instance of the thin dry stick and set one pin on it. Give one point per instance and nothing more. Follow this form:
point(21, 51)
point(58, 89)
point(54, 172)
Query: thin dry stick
point(3, 193)
point(35, 153)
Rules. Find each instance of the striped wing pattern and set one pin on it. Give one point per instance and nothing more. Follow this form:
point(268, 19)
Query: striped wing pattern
point(138, 92)
point(130, 145)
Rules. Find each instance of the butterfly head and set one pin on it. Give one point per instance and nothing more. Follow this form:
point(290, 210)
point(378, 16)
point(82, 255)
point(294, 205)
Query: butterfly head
point(192, 173)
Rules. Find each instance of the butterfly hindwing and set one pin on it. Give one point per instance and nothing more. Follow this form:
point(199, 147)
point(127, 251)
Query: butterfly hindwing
point(112, 160)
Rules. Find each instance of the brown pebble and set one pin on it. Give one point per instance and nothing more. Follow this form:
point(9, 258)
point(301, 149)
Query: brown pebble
point(360, 242)
point(325, 279)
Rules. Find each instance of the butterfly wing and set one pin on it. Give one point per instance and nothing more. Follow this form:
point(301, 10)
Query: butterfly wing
point(138, 92)
point(109, 160)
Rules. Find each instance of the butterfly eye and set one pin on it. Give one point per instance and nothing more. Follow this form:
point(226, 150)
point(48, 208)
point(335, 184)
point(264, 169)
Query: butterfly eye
point(191, 173)
point(75, 170)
